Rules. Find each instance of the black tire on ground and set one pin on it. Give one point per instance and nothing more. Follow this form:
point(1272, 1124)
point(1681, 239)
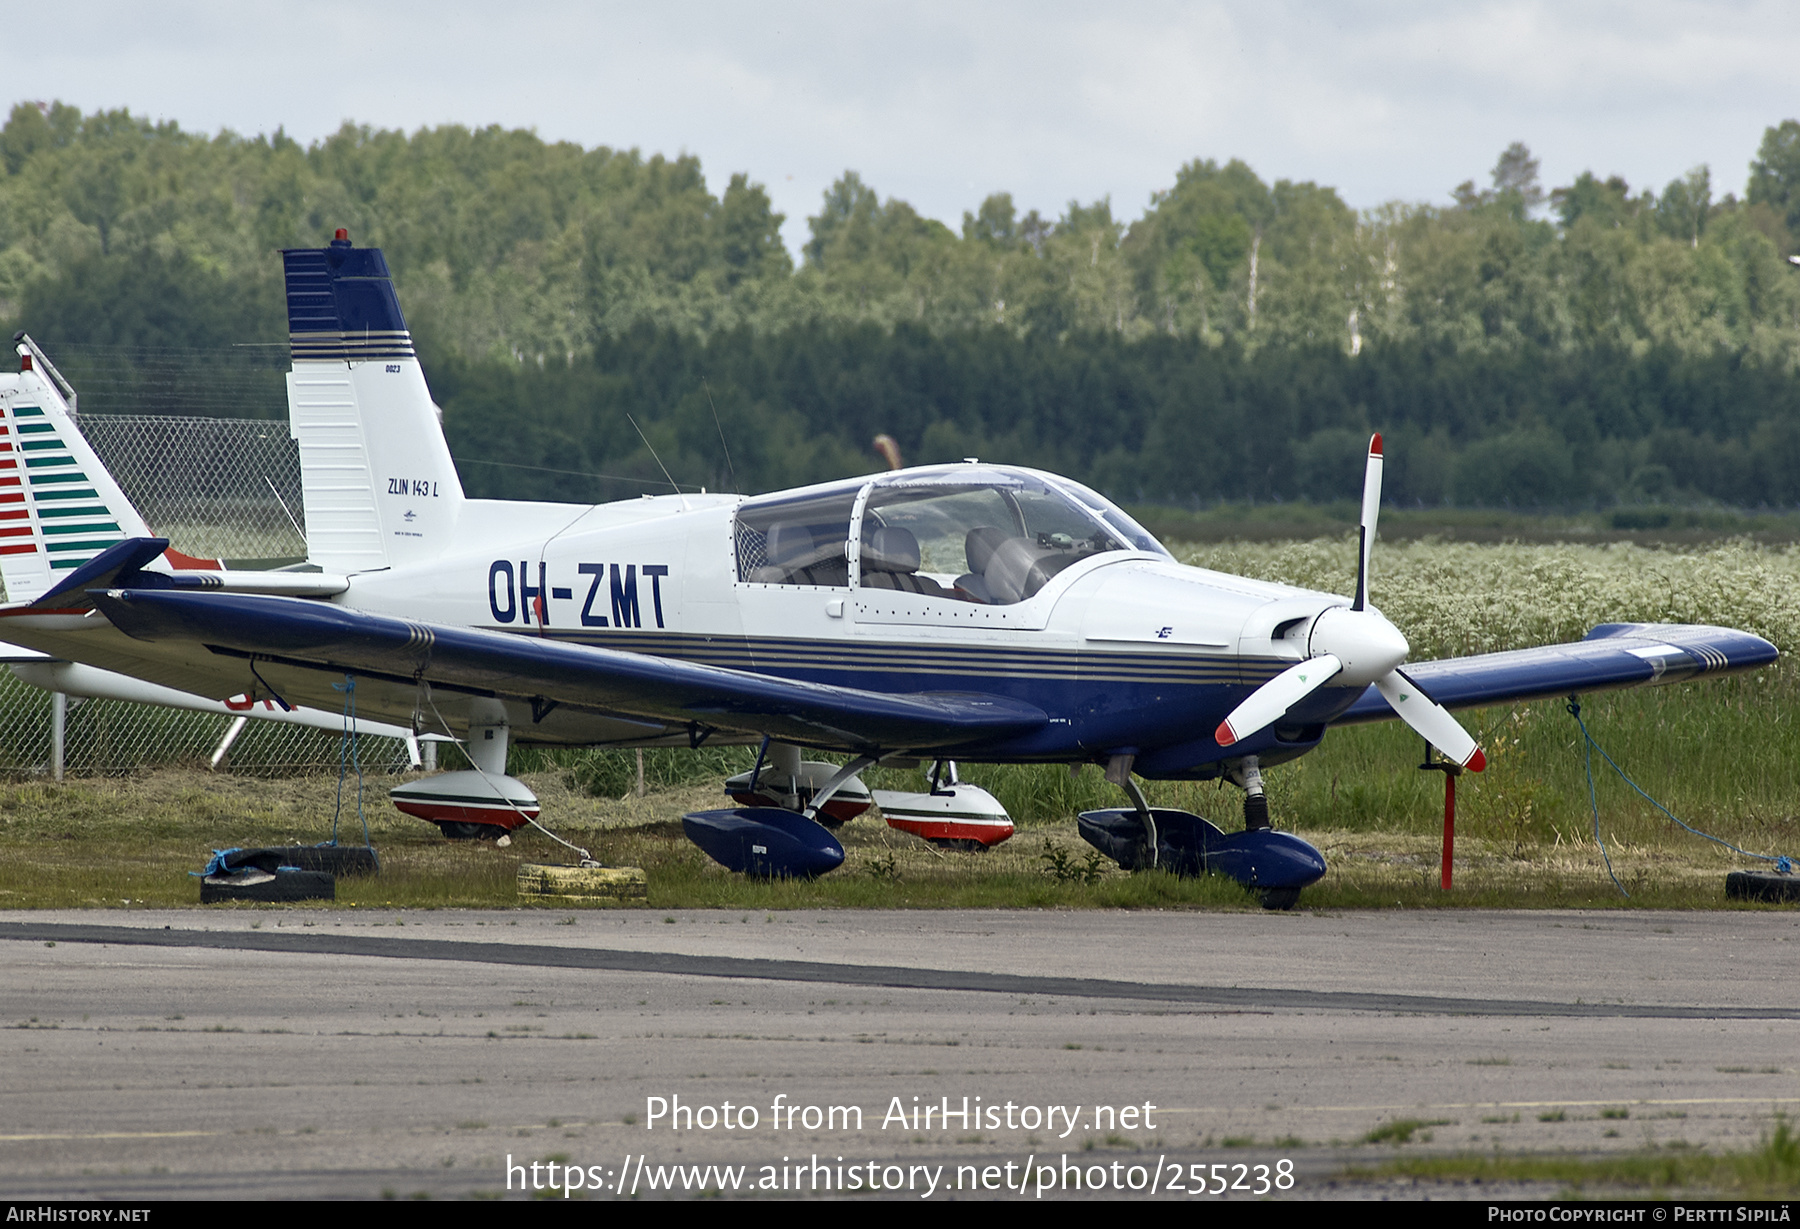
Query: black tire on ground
point(332, 859)
point(1771, 886)
point(1279, 898)
point(958, 843)
point(287, 885)
point(462, 830)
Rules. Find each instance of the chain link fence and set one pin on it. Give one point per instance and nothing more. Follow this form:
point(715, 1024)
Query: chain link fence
point(217, 488)
point(111, 738)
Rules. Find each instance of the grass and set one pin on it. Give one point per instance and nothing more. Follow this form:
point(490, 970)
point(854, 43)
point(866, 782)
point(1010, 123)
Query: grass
point(1401, 1130)
point(1769, 1171)
point(1724, 755)
point(1646, 525)
point(1456, 598)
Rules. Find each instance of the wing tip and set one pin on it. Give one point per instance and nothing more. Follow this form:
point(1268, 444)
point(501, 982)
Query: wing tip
point(1476, 762)
point(1225, 735)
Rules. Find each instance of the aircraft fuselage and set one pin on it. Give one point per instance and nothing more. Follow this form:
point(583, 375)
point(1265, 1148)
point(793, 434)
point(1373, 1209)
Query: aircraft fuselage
point(1127, 651)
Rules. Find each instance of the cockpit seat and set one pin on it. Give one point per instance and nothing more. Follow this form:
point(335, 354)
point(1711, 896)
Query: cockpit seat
point(890, 560)
point(978, 548)
point(796, 557)
point(1020, 567)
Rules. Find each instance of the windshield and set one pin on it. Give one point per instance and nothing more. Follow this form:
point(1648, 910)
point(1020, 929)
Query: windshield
point(1134, 533)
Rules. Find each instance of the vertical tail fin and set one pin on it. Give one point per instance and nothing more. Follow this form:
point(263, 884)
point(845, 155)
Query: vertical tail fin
point(380, 487)
point(59, 507)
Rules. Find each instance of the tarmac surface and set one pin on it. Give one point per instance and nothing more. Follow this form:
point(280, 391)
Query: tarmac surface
point(352, 1053)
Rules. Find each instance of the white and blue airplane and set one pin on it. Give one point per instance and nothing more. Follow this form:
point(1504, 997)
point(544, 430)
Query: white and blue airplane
point(971, 612)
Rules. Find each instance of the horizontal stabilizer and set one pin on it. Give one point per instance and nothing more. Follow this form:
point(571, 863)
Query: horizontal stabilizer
point(120, 562)
point(124, 565)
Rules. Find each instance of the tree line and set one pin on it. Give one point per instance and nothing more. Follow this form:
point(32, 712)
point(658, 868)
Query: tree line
point(1587, 344)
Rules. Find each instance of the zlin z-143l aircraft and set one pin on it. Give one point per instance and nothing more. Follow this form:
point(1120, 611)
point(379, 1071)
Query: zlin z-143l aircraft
point(968, 612)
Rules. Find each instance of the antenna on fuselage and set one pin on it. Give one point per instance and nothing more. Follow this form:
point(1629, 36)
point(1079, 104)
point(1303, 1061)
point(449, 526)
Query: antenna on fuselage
point(653, 456)
point(284, 508)
point(730, 469)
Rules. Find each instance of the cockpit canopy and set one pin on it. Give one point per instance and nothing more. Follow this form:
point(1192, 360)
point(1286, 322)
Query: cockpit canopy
point(970, 533)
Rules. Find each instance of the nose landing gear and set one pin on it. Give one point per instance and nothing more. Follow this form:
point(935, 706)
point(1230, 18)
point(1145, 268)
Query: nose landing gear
point(1274, 865)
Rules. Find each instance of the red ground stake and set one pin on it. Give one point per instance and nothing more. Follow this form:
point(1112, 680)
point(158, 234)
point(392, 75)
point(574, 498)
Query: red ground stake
point(1451, 771)
point(1449, 824)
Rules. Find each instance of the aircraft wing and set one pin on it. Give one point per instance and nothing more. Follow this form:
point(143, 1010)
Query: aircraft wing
point(329, 638)
point(1611, 656)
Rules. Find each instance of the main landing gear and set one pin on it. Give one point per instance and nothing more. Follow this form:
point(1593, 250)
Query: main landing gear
point(782, 779)
point(1274, 865)
point(477, 804)
point(783, 830)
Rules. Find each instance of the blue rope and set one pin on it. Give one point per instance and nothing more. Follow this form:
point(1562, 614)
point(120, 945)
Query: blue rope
point(1783, 864)
point(1587, 755)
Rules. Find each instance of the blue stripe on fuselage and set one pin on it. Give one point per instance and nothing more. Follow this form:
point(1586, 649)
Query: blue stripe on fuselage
point(1099, 702)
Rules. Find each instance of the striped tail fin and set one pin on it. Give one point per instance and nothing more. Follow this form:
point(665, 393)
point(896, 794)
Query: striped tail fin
point(59, 507)
point(380, 487)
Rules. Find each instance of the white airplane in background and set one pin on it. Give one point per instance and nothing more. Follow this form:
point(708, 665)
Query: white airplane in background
point(965, 612)
point(59, 508)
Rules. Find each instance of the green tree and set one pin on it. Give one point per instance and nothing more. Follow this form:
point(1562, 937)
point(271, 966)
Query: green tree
point(1607, 203)
point(1515, 178)
point(750, 232)
point(1682, 210)
point(1775, 173)
point(851, 209)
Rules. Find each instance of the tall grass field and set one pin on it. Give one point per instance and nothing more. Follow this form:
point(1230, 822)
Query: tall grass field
point(1723, 755)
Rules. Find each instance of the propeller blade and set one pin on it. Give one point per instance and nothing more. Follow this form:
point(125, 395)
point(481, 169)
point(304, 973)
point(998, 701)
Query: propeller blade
point(1431, 720)
point(1371, 509)
point(1267, 703)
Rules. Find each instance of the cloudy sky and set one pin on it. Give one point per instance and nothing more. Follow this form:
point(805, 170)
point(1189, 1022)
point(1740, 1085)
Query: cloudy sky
point(941, 103)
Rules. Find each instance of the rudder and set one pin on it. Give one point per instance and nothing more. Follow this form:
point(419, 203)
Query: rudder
point(59, 507)
point(380, 487)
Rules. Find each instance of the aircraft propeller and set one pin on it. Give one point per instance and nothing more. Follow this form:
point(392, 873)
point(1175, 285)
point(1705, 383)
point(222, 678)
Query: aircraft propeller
point(1358, 646)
